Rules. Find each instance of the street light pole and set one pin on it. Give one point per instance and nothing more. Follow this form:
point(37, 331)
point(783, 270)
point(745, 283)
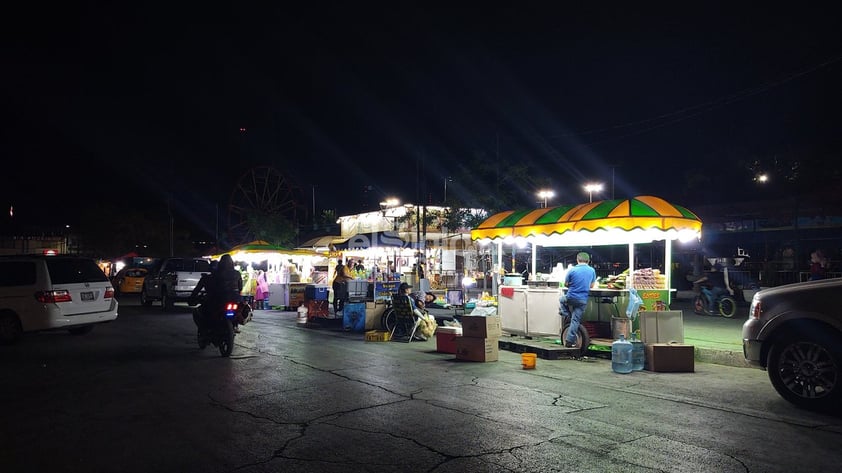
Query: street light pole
point(591, 188)
point(545, 194)
point(446, 180)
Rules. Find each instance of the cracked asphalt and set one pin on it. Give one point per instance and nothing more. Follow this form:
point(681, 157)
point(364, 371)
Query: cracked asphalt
point(137, 395)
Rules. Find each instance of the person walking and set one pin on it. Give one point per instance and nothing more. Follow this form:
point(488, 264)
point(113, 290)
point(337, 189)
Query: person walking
point(578, 281)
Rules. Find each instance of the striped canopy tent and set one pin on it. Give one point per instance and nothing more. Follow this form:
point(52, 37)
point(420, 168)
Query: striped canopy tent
point(259, 250)
point(641, 219)
point(258, 247)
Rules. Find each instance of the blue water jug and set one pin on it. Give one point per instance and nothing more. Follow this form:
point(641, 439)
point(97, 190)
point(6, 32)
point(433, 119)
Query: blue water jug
point(621, 355)
point(638, 354)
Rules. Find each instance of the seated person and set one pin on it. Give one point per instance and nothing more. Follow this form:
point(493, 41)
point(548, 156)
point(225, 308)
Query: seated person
point(419, 303)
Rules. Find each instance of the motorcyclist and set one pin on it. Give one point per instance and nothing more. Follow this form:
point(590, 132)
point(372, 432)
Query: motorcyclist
point(713, 287)
point(220, 286)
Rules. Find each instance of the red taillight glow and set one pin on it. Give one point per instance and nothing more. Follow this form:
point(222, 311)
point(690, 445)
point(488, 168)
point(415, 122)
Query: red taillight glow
point(231, 306)
point(109, 293)
point(52, 297)
point(756, 309)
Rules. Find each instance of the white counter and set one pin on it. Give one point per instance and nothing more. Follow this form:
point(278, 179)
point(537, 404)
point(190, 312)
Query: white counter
point(533, 311)
point(529, 311)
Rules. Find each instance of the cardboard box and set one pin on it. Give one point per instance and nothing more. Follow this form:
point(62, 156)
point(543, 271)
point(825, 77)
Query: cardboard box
point(296, 295)
point(481, 327)
point(374, 314)
point(662, 326)
point(446, 339)
point(669, 357)
point(477, 349)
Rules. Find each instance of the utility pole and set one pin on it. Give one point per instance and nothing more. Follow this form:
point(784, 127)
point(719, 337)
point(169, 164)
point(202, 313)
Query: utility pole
point(613, 168)
point(169, 211)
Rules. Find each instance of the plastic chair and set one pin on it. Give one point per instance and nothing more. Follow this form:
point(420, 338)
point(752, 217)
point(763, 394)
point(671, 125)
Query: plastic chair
point(405, 322)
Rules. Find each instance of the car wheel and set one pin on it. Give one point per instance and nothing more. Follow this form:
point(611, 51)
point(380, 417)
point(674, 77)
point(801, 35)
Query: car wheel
point(727, 307)
point(144, 299)
point(805, 370)
point(80, 330)
point(10, 329)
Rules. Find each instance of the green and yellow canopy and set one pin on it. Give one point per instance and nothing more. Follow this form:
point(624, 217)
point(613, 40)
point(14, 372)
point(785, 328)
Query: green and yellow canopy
point(258, 247)
point(639, 219)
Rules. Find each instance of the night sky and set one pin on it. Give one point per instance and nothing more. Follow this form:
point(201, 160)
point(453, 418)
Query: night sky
point(132, 105)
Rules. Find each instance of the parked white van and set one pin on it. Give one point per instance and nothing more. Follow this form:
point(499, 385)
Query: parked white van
point(52, 292)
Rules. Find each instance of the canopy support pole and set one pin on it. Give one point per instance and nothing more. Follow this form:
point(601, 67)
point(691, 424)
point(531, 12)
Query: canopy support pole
point(532, 275)
point(630, 277)
point(668, 268)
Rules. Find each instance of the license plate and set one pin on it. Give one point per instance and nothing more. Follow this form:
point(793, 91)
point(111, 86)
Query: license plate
point(87, 296)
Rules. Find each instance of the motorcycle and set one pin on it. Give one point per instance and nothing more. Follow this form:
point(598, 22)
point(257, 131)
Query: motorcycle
point(724, 305)
point(217, 328)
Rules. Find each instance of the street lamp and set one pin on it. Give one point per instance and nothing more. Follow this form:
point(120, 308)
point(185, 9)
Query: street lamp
point(591, 188)
point(389, 204)
point(545, 194)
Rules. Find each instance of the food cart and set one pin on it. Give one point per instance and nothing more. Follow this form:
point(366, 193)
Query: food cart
point(532, 310)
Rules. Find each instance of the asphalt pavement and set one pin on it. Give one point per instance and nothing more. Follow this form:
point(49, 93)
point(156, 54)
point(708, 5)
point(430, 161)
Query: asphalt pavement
point(138, 395)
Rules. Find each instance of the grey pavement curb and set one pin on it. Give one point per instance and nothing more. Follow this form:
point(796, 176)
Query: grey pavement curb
point(720, 357)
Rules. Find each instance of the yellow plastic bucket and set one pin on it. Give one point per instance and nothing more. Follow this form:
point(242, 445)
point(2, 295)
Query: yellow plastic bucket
point(528, 360)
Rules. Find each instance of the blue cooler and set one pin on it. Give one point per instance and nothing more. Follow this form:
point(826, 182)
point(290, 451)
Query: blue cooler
point(314, 292)
point(353, 316)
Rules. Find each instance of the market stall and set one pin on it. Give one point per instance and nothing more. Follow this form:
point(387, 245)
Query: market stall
point(533, 309)
point(287, 272)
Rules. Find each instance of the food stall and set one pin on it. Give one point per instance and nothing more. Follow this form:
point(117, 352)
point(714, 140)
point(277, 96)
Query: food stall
point(288, 271)
point(532, 309)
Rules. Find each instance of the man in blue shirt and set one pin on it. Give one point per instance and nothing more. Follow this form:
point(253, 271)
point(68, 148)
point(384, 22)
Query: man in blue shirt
point(578, 282)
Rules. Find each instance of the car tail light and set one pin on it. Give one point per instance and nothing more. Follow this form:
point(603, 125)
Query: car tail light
point(756, 309)
point(109, 293)
point(52, 297)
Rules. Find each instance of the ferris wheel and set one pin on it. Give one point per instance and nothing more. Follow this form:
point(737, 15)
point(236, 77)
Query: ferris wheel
point(260, 193)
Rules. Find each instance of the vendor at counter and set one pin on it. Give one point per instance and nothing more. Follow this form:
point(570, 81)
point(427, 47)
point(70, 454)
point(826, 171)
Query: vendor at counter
point(578, 281)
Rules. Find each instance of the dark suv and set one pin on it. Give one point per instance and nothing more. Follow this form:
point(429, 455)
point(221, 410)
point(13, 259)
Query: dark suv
point(795, 333)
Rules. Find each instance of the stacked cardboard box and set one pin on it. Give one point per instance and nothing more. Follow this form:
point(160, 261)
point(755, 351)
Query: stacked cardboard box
point(480, 338)
point(373, 314)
